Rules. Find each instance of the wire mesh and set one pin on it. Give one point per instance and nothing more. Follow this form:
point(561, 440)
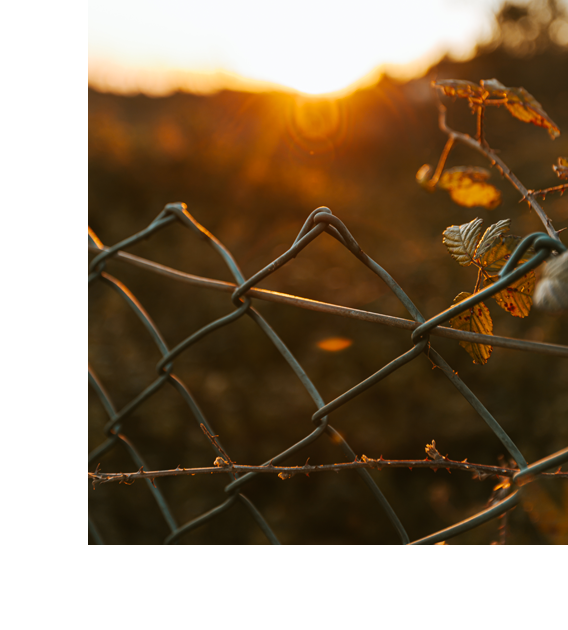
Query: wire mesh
point(242, 291)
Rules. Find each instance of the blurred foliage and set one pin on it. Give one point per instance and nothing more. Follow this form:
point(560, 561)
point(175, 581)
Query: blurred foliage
point(251, 167)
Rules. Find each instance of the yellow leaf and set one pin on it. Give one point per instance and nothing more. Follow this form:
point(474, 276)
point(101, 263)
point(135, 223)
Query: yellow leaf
point(493, 260)
point(521, 105)
point(516, 299)
point(461, 240)
point(468, 187)
point(476, 319)
point(491, 236)
point(458, 175)
point(484, 195)
point(524, 107)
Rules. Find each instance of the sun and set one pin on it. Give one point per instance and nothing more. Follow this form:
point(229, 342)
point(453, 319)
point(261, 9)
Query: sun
point(310, 46)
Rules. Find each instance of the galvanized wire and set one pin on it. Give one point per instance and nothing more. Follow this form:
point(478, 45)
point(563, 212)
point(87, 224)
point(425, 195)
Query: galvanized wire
point(320, 220)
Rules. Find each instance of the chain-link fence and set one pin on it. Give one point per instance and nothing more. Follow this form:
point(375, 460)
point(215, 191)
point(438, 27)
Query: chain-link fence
point(514, 478)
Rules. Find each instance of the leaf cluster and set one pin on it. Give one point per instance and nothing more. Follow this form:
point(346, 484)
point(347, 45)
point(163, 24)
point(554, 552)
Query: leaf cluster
point(491, 92)
point(488, 252)
point(468, 185)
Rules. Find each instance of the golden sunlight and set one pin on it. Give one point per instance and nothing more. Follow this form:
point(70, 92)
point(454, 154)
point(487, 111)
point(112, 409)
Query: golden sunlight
point(309, 46)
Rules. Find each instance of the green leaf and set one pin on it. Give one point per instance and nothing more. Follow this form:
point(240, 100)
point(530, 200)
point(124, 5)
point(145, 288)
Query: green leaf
point(461, 240)
point(477, 319)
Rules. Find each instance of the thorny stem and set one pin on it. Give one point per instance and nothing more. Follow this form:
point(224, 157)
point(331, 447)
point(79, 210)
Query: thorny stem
point(545, 191)
point(480, 471)
point(528, 195)
point(215, 444)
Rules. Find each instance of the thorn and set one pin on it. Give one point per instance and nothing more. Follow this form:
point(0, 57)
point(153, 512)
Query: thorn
point(140, 470)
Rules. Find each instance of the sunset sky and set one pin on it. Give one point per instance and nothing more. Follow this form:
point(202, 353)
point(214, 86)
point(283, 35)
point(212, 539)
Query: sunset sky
point(312, 46)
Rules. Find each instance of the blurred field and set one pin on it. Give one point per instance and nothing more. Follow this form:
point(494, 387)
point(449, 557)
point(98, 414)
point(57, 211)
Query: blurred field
point(251, 167)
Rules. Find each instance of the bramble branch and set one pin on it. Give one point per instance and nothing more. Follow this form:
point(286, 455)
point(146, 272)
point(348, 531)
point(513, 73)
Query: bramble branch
point(480, 471)
point(495, 160)
point(562, 188)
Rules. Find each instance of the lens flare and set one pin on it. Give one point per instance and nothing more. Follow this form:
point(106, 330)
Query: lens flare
point(334, 344)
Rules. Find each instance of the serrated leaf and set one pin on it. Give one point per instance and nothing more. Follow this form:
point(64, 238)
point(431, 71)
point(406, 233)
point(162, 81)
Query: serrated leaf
point(516, 299)
point(476, 319)
point(457, 87)
point(468, 187)
point(561, 169)
point(494, 259)
point(461, 240)
point(521, 105)
point(491, 236)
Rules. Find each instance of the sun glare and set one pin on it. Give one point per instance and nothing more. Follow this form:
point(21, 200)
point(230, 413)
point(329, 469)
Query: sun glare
point(310, 46)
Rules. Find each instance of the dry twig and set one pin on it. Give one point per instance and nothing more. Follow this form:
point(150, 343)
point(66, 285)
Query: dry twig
point(480, 471)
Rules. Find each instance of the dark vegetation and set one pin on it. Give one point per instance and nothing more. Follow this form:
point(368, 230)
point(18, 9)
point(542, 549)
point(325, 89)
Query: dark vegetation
point(251, 167)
